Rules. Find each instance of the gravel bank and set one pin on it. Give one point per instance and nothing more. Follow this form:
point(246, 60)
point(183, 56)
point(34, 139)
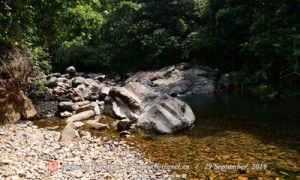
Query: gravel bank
point(25, 152)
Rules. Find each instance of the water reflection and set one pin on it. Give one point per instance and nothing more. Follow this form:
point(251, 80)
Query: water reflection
point(275, 121)
point(230, 129)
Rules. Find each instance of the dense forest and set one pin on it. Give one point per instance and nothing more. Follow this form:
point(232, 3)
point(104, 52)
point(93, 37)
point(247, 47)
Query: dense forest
point(259, 39)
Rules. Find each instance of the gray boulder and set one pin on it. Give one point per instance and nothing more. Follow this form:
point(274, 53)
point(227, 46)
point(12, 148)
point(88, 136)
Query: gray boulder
point(85, 108)
point(68, 106)
point(71, 70)
point(104, 92)
point(77, 81)
point(40, 95)
point(52, 78)
point(62, 80)
point(128, 101)
point(151, 110)
point(82, 91)
point(58, 91)
point(124, 124)
point(57, 75)
point(94, 94)
point(167, 115)
point(173, 80)
point(51, 84)
point(88, 92)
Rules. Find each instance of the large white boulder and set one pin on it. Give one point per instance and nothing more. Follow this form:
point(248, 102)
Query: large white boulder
point(149, 109)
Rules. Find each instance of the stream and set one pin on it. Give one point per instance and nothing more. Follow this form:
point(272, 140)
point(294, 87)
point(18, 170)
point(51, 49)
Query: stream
point(234, 137)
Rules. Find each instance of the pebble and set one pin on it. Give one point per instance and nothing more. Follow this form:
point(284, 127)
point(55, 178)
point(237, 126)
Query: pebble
point(52, 128)
point(56, 146)
point(242, 178)
point(27, 157)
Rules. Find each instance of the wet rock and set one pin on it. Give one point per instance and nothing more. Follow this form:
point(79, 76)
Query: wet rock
point(96, 125)
point(124, 133)
point(124, 124)
point(81, 116)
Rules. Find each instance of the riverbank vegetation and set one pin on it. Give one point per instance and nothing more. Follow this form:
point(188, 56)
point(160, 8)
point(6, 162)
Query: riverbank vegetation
point(260, 40)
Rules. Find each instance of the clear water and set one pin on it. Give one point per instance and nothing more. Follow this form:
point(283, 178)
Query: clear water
point(230, 129)
point(273, 121)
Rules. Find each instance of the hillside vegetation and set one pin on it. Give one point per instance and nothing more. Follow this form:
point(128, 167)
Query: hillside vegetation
point(259, 39)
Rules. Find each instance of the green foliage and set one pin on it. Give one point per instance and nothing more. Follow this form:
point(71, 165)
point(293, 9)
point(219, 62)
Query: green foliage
point(80, 20)
point(75, 51)
point(274, 31)
point(258, 39)
point(41, 61)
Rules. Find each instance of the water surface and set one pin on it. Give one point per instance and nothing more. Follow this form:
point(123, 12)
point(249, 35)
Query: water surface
point(230, 129)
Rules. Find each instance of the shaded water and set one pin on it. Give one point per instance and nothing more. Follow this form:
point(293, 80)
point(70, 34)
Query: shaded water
point(272, 121)
point(230, 130)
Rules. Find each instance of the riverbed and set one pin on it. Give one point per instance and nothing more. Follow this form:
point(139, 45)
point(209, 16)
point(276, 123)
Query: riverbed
point(234, 137)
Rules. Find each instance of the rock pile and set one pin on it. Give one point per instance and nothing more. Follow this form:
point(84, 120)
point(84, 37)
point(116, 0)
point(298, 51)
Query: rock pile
point(174, 80)
point(145, 99)
point(70, 94)
point(82, 96)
